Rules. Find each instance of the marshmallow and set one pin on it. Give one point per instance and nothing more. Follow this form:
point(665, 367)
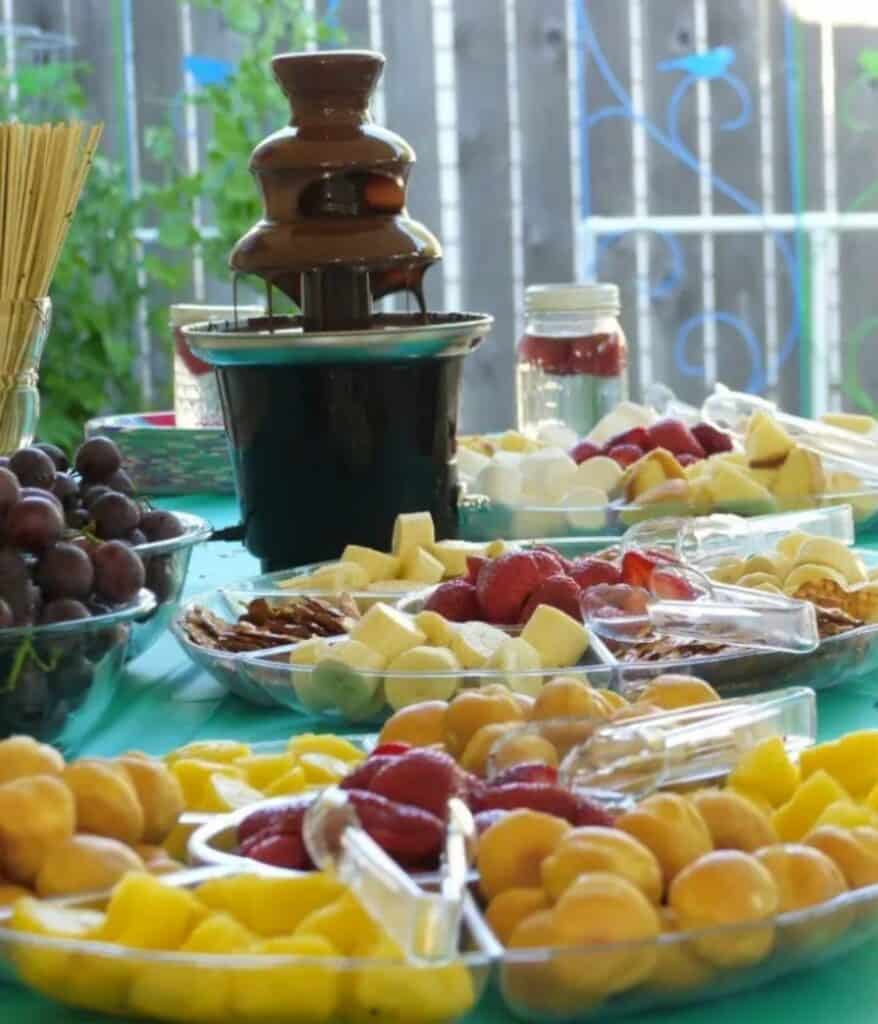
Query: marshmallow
point(500, 481)
point(547, 474)
point(586, 508)
point(557, 435)
point(599, 471)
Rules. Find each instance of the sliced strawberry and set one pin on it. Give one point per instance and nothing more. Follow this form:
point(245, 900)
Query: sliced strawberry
point(505, 584)
point(638, 436)
point(712, 439)
point(583, 451)
point(395, 747)
point(588, 812)
point(286, 817)
point(535, 796)
point(588, 572)
point(281, 850)
point(474, 565)
point(361, 776)
point(456, 601)
point(676, 437)
point(559, 591)
point(637, 568)
point(422, 778)
point(625, 454)
point(402, 831)
point(549, 562)
point(672, 585)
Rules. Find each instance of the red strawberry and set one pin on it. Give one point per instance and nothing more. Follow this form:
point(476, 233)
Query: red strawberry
point(671, 585)
point(625, 454)
point(637, 567)
point(279, 849)
point(474, 565)
point(286, 817)
point(528, 771)
point(534, 796)
point(588, 812)
point(361, 776)
point(583, 451)
point(559, 591)
point(590, 571)
point(711, 438)
point(456, 600)
point(676, 437)
point(402, 831)
point(485, 819)
point(549, 562)
point(505, 584)
point(638, 436)
point(423, 778)
point(395, 747)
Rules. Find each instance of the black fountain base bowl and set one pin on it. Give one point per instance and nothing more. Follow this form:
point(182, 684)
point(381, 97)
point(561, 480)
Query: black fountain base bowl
point(333, 434)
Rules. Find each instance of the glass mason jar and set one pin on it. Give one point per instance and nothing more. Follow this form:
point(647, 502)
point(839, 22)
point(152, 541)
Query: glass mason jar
point(196, 395)
point(24, 327)
point(572, 361)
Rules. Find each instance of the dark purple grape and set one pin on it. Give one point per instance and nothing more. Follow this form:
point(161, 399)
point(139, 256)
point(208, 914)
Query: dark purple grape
point(158, 524)
point(136, 537)
point(91, 494)
point(60, 460)
point(160, 577)
point(4, 461)
point(33, 468)
point(10, 490)
point(66, 490)
point(120, 481)
point(97, 459)
point(114, 516)
point(119, 572)
point(65, 570)
point(34, 524)
point(39, 492)
point(77, 518)
point(16, 588)
point(7, 619)
point(63, 609)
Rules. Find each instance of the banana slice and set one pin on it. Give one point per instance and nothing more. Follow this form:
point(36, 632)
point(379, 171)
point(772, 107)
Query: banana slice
point(769, 588)
point(825, 551)
point(789, 546)
point(517, 654)
point(775, 565)
point(413, 687)
point(729, 570)
point(812, 573)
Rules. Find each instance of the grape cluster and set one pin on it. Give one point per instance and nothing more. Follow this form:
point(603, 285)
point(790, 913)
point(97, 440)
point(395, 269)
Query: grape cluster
point(67, 535)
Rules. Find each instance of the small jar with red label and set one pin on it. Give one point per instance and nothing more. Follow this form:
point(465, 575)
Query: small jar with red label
point(572, 361)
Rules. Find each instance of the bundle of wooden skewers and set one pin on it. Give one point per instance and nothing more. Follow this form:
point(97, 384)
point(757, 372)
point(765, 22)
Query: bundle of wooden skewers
point(42, 171)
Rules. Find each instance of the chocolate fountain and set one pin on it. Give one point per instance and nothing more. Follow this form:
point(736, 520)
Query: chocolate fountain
point(341, 417)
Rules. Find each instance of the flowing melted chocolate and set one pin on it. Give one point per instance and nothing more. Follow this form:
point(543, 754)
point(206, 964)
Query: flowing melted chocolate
point(336, 234)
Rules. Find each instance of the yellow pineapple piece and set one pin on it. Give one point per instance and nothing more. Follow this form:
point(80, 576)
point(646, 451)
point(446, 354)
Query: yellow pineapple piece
point(795, 819)
point(387, 631)
point(800, 477)
point(767, 771)
point(846, 814)
point(765, 440)
point(559, 640)
point(144, 913)
point(421, 567)
point(852, 760)
point(377, 565)
point(412, 530)
point(454, 553)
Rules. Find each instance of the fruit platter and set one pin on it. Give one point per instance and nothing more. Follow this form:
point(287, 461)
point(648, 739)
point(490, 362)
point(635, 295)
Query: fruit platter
point(520, 613)
point(635, 465)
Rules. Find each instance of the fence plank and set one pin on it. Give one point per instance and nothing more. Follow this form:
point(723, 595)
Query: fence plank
point(410, 102)
point(485, 201)
point(548, 229)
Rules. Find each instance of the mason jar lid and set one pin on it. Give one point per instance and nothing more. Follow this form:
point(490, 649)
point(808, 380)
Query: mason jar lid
point(572, 298)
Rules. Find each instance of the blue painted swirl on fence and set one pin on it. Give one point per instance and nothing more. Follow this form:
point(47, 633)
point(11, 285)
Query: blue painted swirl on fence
point(713, 66)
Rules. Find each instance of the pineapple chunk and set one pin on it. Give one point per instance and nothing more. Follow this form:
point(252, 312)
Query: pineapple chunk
point(412, 530)
point(340, 576)
point(729, 484)
point(795, 819)
point(377, 564)
point(518, 660)
point(559, 640)
point(356, 654)
point(854, 422)
point(474, 642)
point(767, 771)
point(852, 760)
point(454, 553)
point(387, 631)
point(766, 441)
point(800, 477)
point(420, 566)
point(435, 627)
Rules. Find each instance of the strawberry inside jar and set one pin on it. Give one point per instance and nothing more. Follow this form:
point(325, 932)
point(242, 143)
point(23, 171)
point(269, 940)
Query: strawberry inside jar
point(572, 359)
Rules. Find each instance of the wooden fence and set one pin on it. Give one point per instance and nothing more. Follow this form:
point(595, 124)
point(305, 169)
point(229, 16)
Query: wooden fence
point(717, 158)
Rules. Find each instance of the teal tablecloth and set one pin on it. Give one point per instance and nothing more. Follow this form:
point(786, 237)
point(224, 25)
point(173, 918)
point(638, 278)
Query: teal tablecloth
point(163, 701)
